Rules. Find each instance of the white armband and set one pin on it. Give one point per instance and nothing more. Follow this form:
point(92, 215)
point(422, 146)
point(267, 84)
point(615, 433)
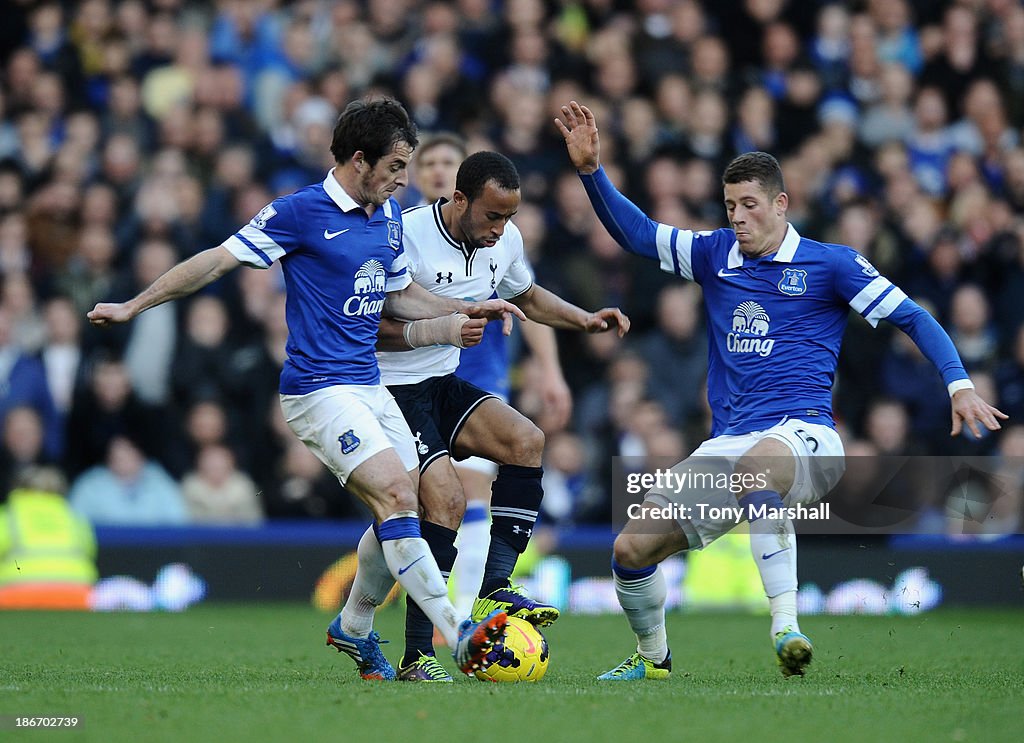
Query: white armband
point(436, 331)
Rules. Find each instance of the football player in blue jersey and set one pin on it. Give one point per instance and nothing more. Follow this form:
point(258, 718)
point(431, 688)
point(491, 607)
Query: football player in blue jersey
point(776, 306)
point(340, 246)
point(467, 247)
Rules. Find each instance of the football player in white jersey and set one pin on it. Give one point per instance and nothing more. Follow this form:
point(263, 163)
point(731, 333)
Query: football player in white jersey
point(486, 365)
point(467, 247)
point(776, 305)
point(340, 245)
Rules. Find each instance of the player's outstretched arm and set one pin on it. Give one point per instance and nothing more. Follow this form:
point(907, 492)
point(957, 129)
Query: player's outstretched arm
point(631, 228)
point(967, 406)
point(970, 409)
point(451, 330)
point(416, 303)
point(184, 279)
point(541, 305)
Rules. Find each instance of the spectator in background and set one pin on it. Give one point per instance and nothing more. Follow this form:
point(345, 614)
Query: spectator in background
point(1010, 378)
point(217, 492)
point(23, 383)
point(105, 408)
point(149, 345)
point(971, 331)
point(300, 486)
point(888, 429)
point(22, 444)
point(47, 552)
point(675, 352)
point(128, 490)
point(201, 368)
point(61, 353)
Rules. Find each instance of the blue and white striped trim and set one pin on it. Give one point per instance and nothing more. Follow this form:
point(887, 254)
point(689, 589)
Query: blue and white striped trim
point(877, 300)
point(254, 247)
point(522, 514)
point(397, 281)
point(886, 306)
point(674, 250)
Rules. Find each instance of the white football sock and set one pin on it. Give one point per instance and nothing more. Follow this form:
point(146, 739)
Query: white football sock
point(474, 539)
point(643, 601)
point(413, 566)
point(372, 584)
point(773, 544)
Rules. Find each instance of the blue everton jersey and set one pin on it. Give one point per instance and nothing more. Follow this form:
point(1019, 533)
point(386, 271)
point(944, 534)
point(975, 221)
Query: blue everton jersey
point(775, 323)
point(338, 265)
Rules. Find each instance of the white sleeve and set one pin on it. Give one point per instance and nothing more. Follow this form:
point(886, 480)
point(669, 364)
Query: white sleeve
point(519, 277)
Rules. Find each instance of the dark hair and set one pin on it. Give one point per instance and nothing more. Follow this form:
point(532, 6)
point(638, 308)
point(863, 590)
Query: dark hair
point(437, 140)
point(759, 167)
point(373, 127)
point(481, 167)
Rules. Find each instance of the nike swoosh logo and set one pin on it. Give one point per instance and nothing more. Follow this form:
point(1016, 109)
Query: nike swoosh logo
point(772, 554)
point(401, 571)
point(332, 235)
point(723, 274)
point(530, 647)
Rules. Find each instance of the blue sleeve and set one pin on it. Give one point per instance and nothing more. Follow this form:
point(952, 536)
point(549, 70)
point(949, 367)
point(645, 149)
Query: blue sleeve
point(678, 252)
point(929, 336)
point(270, 235)
point(631, 228)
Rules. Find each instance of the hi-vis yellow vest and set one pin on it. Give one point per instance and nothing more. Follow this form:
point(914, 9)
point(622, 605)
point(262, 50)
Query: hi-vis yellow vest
point(43, 541)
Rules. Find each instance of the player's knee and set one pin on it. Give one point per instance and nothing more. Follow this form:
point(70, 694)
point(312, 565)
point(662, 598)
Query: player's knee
point(441, 495)
point(527, 446)
point(395, 496)
point(630, 552)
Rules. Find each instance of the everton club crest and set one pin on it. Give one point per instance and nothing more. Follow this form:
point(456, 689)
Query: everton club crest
point(394, 234)
point(349, 442)
point(794, 281)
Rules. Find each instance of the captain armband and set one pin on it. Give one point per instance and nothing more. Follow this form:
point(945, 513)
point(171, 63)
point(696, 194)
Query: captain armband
point(436, 331)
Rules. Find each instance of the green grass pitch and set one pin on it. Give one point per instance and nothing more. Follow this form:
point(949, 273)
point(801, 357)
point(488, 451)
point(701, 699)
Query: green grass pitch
point(262, 673)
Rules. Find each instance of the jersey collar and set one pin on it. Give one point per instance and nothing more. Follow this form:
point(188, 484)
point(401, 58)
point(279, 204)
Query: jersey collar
point(443, 228)
point(337, 193)
point(784, 254)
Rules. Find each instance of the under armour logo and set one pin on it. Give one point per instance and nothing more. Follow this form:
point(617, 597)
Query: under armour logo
point(494, 267)
point(519, 530)
point(443, 277)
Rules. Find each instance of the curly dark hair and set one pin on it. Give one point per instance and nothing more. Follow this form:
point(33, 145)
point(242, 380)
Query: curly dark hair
point(481, 167)
point(373, 127)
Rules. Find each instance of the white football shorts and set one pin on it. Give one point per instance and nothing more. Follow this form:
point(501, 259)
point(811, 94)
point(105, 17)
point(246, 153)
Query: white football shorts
point(818, 451)
point(345, 425)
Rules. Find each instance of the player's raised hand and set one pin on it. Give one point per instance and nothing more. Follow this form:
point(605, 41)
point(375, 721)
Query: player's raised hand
point(607, 318)
point(473, 332)
point(495, 309)
point(970, 409)
point(107, 313)
point(579, 129)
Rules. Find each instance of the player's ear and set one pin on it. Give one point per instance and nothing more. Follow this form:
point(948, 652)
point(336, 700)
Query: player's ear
point(782, 202)
point(358, 159)
point(460, 199)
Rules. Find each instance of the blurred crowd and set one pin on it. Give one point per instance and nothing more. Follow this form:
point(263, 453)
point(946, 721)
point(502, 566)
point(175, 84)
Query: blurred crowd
point(134, 133)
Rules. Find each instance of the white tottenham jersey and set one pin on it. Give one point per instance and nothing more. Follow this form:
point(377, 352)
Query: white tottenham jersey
point(442, 265)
